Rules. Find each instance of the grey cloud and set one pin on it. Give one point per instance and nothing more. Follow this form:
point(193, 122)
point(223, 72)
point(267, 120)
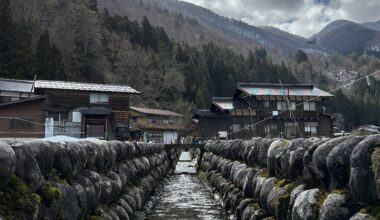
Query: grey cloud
point(302, 17)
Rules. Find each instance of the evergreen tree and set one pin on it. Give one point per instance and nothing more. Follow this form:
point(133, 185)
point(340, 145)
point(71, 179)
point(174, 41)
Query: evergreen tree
point(49, 63)
point(301, 56)
point(148, 34)
point(57, 63)
point(44, 68)
point(7, 38)
point(22, 59)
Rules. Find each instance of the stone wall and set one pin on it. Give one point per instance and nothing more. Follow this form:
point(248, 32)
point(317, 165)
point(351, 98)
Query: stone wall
point(79, 180)
point(312, 178)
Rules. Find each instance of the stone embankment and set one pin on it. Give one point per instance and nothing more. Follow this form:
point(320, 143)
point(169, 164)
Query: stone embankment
point(312, 178)
point(79, 180)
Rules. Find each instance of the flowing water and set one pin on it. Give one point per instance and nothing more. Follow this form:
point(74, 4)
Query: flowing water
point(184, 196)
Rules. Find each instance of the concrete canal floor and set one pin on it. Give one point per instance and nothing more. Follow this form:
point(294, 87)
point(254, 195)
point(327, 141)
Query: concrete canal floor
point(184, 196)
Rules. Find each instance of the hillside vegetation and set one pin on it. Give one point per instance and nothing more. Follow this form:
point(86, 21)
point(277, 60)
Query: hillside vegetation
point(75, 40)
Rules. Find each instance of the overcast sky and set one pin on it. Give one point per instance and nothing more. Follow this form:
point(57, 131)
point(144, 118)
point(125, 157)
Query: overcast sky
point(301, 17)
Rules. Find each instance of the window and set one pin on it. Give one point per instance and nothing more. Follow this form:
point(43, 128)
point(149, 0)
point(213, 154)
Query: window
point(99, 98)
point(283, 105)
point(246, 112)
point(235, 127)
point(269, 128)
point(291, 129)
point(247, 127)
point(311, 128)
point(266, 104)
point(309, 106)
point(21, 124)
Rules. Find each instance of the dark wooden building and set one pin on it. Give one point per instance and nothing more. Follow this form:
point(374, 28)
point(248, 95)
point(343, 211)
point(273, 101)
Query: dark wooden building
point(22, 118)
point(289, 110)
point(81, 109)
point(155, 125)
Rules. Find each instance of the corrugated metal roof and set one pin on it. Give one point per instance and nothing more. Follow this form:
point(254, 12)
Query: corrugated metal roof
point(45, 84)
point(258, 89)
point(27, 86)
point(228, 103)
point(13, 85)
point(208, 113)
point(150, 111)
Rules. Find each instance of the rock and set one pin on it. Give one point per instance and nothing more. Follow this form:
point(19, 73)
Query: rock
point(100, 156)
point(310, 176)
point(248, 212)
point(362, 181)
point(362, 216)
point(296, 168)
point(69, 207)
point(320, 162)
point(121, 213)
point(50, 210)
point(91, 154)
point(304, 206)
point(44, 152)
point(338, 162)
point(89, 190)
point(266, 188)
point(78, 156)
point(113, 215)
point(106, 216)
point(258, 182)
point(126, 207)
point(131, 201)
point(275, 149)
point(293, 196)
point(334, 208)
point(62, 161)
point(247, 187)
point(242, 206)
point(253, 155)
point(273, 199)
point(287, 153)
point(375, 160)
point(7, 163)
point(263, 152)
point(81, 195)
point(27, 167)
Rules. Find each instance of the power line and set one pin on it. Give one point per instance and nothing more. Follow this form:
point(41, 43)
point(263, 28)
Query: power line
point(311, 99)
point(24, 120)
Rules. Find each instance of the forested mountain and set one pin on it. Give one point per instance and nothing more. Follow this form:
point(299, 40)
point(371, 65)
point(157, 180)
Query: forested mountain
point(375, 25)
point(345, 37)
point(178, 62)
point(73, 40)
point(237, 34)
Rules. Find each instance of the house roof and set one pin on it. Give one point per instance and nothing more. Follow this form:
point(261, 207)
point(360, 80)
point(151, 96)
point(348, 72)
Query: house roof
point(268, 89)
point(45, 84)
point(209, 114)
point(159, 112)
point(27, 86)
point(228, 103)
point(13, 85)
point(34, 98)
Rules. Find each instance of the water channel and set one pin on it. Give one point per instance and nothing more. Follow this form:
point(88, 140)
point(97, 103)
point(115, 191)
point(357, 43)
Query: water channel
point(184, 196)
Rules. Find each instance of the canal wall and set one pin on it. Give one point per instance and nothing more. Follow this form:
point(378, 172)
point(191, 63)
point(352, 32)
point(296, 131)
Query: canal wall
point(79, 180)
point(313, 178)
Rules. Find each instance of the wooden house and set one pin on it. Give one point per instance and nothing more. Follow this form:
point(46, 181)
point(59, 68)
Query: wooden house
point(78, 109)
point(155, 125)
point(288, 110)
